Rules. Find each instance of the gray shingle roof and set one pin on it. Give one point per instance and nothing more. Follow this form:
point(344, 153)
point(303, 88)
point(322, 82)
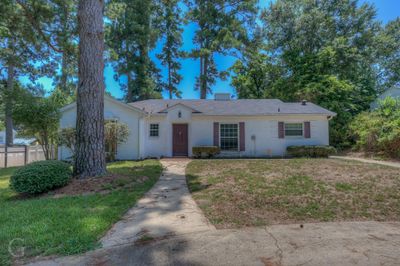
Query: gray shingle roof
point(235, 107)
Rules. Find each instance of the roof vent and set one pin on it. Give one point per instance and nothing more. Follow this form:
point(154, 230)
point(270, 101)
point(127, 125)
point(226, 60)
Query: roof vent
point(303, 102)
point(222, 96)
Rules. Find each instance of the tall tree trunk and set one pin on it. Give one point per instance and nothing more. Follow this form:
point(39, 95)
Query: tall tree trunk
point(203, 68)
point(169, 79)
point(143, 71)
point(128, 87)
point(64, 75)
point(8, 105)
point(129, 94)
point(90, 150)
point(64, 58)
point(203, 79)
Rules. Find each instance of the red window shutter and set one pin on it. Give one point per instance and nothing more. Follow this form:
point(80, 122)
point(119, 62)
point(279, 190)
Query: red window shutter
point(242, 137)
point(307, 130)
point(281, 130)
point(216, 134)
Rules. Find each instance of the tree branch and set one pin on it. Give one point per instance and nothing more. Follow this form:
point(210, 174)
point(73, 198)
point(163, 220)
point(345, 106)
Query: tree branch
point(36, 26)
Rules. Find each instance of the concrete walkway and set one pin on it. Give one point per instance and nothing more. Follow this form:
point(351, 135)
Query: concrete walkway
point(167, 228)
point(341, 244)
point(386, 163)
point(166, 210)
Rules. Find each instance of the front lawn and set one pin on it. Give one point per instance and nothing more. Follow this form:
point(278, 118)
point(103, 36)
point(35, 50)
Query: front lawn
point(69, 224)
point(238, 193)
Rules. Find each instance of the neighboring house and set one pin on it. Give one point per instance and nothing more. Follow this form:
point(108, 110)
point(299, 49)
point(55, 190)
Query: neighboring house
point(17, 141)
point(392, 92)
point(25, 141)
point(248, 128)
point(3, 136)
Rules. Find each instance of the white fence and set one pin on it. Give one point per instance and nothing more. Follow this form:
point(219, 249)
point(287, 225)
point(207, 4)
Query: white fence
point(20, 155)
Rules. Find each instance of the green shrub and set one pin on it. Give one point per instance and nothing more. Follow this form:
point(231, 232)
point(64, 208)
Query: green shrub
point(205, 151)
point(39, 177)
point(379, 130)
point(310, 151)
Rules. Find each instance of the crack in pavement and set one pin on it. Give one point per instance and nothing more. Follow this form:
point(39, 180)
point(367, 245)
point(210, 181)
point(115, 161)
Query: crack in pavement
point(279, 251)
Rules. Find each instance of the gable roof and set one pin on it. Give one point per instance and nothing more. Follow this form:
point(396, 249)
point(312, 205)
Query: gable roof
point(246, 107)
point(106, 98)
point(169, 107)
point(393, 92)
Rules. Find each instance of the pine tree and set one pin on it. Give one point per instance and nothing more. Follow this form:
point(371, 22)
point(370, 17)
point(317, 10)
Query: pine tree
point(222, 28)
point(65, 31)
point(20, 50)
point(171, 28)
point(131, 34)
point(90, 149)
point(54, 21)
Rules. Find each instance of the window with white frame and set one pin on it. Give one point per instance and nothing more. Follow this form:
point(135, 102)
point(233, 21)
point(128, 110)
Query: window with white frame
point(154, 130)
point(294, 129)
point(229, 137)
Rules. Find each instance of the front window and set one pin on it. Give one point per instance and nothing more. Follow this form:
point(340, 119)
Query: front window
point(294, 129)
point(229, 137)
point(154, 129)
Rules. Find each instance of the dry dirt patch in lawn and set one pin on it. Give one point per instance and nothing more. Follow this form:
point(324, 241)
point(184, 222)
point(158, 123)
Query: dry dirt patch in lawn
point(103, 185)
point(121, 175)
point(236, 193)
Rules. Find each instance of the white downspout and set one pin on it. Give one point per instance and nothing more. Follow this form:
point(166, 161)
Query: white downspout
point(138, 138)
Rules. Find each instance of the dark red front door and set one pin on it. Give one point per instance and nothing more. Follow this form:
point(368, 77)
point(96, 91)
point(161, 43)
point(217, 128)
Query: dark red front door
point(180, 140)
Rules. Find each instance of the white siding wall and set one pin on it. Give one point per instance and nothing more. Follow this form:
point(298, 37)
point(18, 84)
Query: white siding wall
point(265, 130)
point(162, 145)
point(126, 151)
point(200, 128)
point(200, 131)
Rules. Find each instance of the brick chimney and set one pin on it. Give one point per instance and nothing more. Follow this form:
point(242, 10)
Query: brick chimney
point(222, 96)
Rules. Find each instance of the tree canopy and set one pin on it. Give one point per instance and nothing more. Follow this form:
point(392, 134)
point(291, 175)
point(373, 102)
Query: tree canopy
point(333, 53)
point(223, 28)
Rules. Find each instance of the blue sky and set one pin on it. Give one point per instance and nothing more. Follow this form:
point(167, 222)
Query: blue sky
point(387, 10)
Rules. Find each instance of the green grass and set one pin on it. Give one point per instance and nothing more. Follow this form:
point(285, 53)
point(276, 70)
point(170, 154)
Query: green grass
point(239, 193)
point(343, 186)
point(68, 225)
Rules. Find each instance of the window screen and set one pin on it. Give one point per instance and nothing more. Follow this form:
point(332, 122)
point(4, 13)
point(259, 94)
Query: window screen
point(154, 128)
point(229, 137)
point(294, 129)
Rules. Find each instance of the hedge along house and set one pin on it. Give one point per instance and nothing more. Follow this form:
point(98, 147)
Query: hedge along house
point(241, 128)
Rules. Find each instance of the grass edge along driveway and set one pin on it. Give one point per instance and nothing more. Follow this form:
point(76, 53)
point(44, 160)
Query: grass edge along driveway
point(241, 193)
point(71, 224)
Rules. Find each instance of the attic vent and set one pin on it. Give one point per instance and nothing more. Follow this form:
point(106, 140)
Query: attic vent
point(222, 96)
point(303, 102)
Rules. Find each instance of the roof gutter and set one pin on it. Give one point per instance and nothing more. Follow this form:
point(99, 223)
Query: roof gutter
point(274, 114)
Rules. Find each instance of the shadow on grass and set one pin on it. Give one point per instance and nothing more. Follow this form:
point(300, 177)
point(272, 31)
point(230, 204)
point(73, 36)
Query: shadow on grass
point(68, 225)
